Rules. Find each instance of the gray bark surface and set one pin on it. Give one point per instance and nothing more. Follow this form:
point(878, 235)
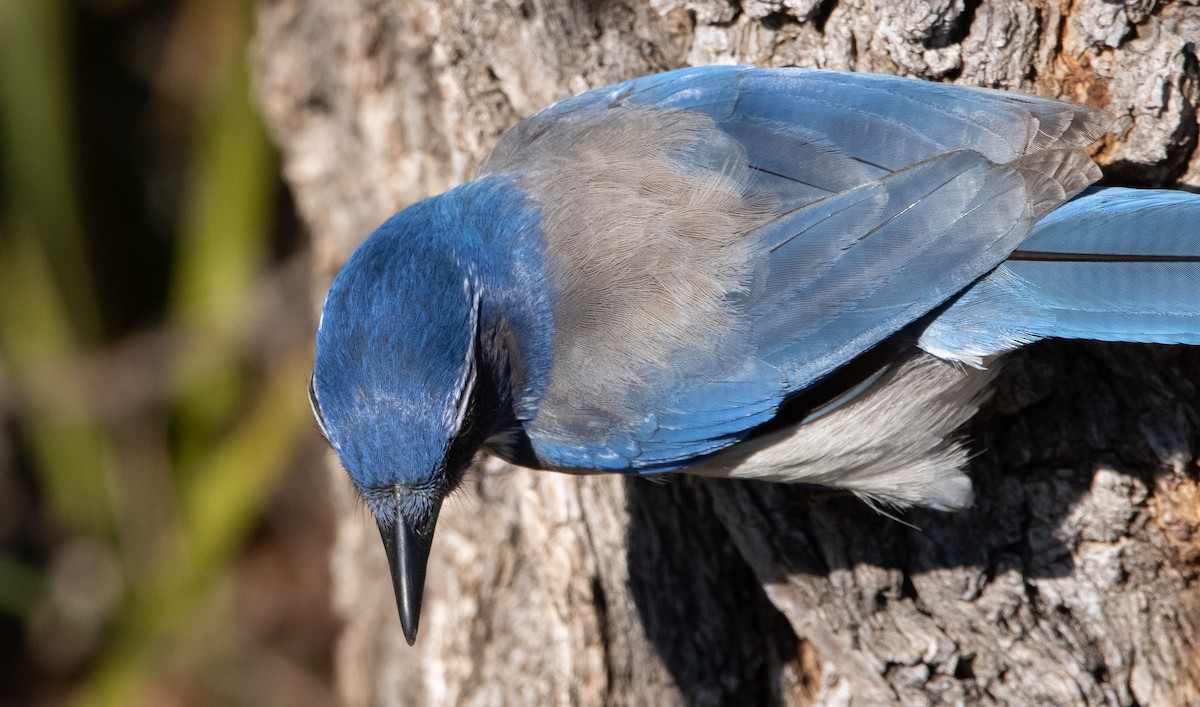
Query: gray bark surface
point(1073, 580)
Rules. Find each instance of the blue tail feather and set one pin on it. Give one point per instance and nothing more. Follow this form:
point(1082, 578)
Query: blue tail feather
point(1112, 265)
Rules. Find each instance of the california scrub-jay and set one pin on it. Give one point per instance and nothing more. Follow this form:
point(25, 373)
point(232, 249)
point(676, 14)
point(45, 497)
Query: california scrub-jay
point(782, 274)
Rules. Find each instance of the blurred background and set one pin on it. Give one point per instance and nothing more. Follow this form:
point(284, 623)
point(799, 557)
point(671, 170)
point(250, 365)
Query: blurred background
point(163, 528)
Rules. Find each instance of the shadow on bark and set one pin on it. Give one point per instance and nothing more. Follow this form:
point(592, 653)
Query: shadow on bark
point(702, 551)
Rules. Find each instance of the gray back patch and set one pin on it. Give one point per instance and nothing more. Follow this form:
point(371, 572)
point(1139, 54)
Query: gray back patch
point(645, 214)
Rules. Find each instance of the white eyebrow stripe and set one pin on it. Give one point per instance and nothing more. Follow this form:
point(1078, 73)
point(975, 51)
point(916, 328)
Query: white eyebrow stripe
point(466, 382)
point(315, 404)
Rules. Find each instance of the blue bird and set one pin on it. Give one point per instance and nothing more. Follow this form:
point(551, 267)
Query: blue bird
point(782, 274)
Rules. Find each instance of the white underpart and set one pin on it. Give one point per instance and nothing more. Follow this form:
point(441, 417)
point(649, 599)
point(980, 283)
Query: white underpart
point(894, 443)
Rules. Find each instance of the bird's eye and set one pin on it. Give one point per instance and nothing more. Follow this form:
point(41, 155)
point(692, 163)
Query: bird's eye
point(316, 406)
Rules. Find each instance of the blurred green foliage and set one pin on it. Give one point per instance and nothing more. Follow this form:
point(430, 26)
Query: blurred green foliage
point(147, 501)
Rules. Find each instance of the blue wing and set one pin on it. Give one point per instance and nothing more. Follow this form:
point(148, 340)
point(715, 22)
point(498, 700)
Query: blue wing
point(893, 195)
point(1111, 265)
point(883, 123)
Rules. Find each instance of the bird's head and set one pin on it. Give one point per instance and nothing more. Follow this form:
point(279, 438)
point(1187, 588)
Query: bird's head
point(395, 387)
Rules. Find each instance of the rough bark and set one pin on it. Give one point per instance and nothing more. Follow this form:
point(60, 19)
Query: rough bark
point(1073, 580)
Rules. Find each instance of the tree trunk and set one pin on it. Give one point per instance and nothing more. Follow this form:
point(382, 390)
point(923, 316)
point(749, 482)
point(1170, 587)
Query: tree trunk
point(1072, 581)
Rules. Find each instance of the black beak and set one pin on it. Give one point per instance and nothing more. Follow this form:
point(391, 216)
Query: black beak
point(407, 550)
